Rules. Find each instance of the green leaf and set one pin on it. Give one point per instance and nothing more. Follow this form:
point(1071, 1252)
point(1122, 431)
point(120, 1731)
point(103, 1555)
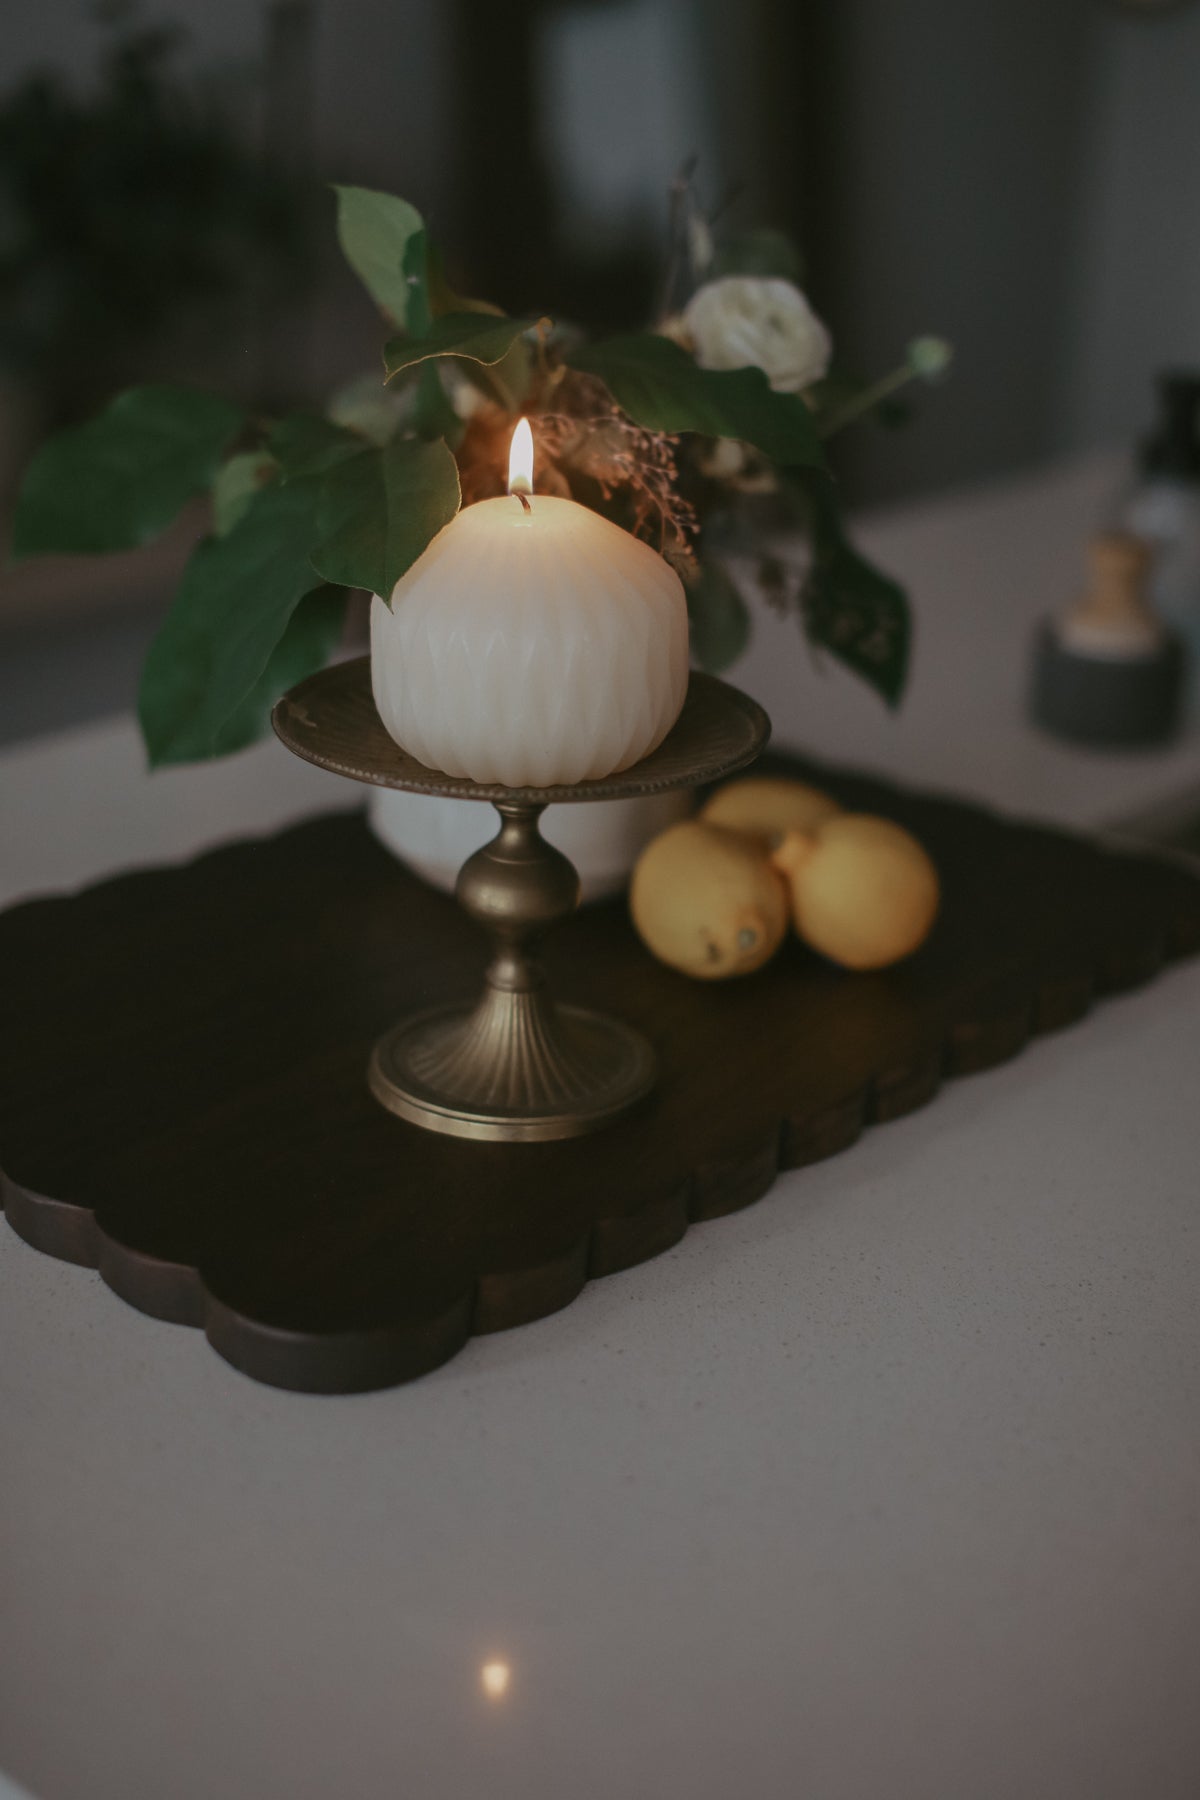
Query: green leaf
point(851, 609)
point(443, 298)
point(379, 511)
point(416, 274)
point(482, 337)
point(664, 389)
point(232, 608)
point(309, 639)
point(119, 480)
point(717, 614)
point(306, 444)
point(508, 381)
point(236, 484)
point(433, 415)
point(375, 231)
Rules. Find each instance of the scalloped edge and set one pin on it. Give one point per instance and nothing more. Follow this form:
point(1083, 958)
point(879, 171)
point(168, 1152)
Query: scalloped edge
point(502, 1299)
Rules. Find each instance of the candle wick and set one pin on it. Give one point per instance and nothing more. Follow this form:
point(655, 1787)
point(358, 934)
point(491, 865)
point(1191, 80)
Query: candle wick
point(523, 497)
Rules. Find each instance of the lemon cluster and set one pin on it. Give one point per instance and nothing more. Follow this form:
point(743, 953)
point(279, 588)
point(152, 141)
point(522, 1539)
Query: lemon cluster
point(713, 897)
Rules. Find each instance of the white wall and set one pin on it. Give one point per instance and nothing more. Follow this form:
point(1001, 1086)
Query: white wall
point(1021, 175)
point(624, 95)
point(1135, 300)
point(953, 152)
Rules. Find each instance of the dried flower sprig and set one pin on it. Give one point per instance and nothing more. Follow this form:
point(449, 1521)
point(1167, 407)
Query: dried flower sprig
point(588, 449)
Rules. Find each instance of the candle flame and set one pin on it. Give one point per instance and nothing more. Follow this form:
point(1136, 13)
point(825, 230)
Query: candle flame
point(495, 1677)
point(520, 460)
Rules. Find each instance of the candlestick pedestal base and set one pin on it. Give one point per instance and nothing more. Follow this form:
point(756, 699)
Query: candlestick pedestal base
point(527, 1070)
point(516, 1065)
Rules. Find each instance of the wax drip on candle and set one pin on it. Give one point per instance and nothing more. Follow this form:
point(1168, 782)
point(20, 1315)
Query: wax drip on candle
point(520, 464)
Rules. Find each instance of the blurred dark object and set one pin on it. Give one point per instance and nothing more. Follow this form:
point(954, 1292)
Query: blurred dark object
point(1163, 510)
point(135, 213)
point(288, 262)
point(514, 256)
point(1149, 9)
point(1108, 703)
point(1109, 673)
point(1173, 448)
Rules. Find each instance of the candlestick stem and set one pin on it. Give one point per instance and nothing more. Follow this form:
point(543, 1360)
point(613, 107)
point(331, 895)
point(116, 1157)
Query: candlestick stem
point(517, 1065)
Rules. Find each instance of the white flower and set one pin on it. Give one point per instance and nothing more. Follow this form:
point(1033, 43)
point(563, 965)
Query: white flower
point(757, 319)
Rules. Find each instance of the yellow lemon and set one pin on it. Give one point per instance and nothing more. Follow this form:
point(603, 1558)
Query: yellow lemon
point(708, 902)
point(767, 806)
point(864, 893)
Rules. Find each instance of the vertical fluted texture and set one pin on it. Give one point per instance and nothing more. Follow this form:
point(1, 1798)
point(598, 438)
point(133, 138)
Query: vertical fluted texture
point(514, 1051)
point(533, 649)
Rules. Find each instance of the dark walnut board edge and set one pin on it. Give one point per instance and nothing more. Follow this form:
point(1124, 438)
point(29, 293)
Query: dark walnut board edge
point(183, 1102)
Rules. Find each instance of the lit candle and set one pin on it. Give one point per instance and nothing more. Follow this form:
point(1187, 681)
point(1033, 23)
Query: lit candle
point(533, 644)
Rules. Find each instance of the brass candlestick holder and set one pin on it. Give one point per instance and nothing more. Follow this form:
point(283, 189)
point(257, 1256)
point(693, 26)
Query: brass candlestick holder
point(516, 1064)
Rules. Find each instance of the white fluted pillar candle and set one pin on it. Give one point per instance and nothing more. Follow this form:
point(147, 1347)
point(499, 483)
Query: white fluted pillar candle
point(533, 644)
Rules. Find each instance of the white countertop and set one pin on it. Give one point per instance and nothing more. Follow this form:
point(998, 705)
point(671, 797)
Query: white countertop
point(887, 1485)
point(982, 568)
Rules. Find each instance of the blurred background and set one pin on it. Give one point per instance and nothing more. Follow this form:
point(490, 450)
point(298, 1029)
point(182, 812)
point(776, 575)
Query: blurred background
point(1011, 175)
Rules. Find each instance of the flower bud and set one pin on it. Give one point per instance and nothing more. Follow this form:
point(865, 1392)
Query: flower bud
point(930, 357)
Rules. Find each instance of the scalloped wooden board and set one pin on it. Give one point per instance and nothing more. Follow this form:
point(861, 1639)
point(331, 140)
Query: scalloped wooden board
point(183, 1101)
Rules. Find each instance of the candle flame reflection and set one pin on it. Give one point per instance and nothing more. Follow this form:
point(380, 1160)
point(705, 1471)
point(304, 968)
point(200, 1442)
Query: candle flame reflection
point(520, 460)
point(495, 1677)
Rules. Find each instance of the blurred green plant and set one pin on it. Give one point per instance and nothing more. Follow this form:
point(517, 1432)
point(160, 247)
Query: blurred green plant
point(308, 507)
point(126, 210)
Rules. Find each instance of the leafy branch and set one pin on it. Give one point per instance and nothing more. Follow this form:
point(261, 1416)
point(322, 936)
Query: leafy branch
point(307, 507)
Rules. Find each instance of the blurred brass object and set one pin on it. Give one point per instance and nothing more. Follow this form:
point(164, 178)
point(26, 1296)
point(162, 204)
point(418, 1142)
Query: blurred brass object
point(1114, 616)
point(1110, 672)
point(516, 1065)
